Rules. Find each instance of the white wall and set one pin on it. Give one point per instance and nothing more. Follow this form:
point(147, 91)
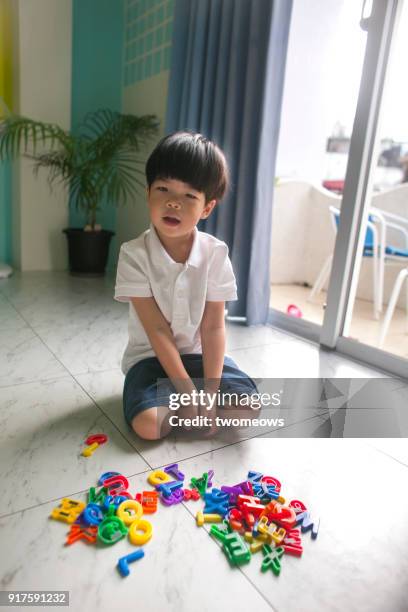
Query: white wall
point(147, 97)
point(42, 48)
point(305, 237)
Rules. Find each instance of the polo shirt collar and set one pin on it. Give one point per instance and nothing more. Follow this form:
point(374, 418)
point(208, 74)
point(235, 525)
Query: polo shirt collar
point(161, 257)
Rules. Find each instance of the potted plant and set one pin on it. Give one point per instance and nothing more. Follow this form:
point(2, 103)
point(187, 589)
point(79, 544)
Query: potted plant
point(98, 164)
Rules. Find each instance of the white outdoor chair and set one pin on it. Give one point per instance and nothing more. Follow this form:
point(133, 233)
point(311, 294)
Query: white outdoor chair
point(388, 254)
point(375, 246)
point(370, 250)
point(403, 275)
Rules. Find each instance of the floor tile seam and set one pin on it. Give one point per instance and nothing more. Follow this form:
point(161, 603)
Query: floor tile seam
point(294, 336)
point(113, 424)
point(379, 450)
point(13, 306)
point(213, 450)
point(247, 578)
point(161, 465)
point(242, 348)
point(72, 377)
point(118, 369)
point(76, 493)
point(27, 324)
point(41, 339)
point(85, 372)
point(334, 352)
point(36, 380)
point(69, 496)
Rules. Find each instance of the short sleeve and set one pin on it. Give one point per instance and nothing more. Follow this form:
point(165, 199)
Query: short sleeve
point(131, 279)
point(221, 280)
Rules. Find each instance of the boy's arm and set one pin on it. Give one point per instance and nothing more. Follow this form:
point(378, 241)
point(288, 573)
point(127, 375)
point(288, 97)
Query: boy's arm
point(162, 340)
point(212, 331)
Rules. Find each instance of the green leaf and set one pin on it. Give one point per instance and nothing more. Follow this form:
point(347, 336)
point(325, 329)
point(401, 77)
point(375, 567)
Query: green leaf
point(100, 162)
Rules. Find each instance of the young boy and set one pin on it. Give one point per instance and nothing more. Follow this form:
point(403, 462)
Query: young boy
point(177, 280)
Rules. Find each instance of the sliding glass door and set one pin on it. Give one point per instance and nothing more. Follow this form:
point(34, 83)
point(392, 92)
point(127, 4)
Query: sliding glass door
point(323, 71)
point(356, 289)
point(378, 315)
point(362, 313)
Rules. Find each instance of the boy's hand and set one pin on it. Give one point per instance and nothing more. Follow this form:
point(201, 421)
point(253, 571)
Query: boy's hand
point(211, 431)
point(190, 411)
point(193, 409)
point(201, 409)
point(210, 411)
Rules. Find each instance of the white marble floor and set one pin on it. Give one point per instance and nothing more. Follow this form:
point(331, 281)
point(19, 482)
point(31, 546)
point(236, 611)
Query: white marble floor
point(61, 341)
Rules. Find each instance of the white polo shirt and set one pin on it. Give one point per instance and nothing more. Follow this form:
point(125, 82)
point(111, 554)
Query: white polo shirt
point(180, 290)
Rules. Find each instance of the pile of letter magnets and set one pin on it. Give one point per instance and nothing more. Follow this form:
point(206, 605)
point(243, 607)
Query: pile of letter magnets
point(251, 515)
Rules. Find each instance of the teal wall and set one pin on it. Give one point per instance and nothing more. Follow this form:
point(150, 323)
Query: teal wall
point(5, 213)
point(148, 33)
point(97, 69)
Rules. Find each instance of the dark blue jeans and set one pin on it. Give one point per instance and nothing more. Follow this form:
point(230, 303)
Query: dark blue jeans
point(141, 390)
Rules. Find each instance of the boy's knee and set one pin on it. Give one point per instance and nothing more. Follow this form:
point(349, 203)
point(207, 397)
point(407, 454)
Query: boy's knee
point(152, 423)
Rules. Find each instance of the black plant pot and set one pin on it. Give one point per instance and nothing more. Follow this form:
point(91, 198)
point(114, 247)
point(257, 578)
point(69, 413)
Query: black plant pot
point(87, 251)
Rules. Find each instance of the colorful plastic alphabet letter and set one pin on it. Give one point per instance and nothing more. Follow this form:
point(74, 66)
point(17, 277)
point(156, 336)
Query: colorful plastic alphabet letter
point(111, 530)
point(219, 531)
point(200, 484)
point(207, 518)
point(250, 504)
point(298, 506)
point(292, 543)
point(271, 559)
point(99, 438)
point(282, 515)
point(307, 523)
point(209, 478)
point(114, 500)
point(99, 497)
point(87, 452)
point(236, 549)
point(277, 535)
point(123, 562)
point(148, 499)
point(256, 546)
point(246, 487)
point(167, 488)
point(106, 475)
point(140, 538)
point(78, 532)
point(68, 510)
point(174, 471)
point(175, 498)
point(216, 502)
point(158, 477)
point(126, 517)
point(92, 515)
point(191, 494)
point(254, 477)
point(270, 480)
point(116, 484)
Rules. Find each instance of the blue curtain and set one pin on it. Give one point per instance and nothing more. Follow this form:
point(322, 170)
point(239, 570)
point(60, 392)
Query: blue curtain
point(226, 82)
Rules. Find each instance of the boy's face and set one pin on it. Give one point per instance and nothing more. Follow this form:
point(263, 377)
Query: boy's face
point(173, 198)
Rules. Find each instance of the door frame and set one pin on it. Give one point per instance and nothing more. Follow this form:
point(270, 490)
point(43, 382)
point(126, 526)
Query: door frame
point(347, 257)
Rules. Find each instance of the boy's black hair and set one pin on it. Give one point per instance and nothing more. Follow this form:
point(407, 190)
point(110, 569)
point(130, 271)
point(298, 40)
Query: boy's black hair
point(191, 158)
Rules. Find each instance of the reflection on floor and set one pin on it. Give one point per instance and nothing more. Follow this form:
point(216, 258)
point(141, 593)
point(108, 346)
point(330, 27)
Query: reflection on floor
point(364, 327)
point(61, 340)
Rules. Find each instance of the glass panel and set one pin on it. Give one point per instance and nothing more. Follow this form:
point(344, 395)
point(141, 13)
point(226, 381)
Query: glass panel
point(380, 310)
point(323, 70)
